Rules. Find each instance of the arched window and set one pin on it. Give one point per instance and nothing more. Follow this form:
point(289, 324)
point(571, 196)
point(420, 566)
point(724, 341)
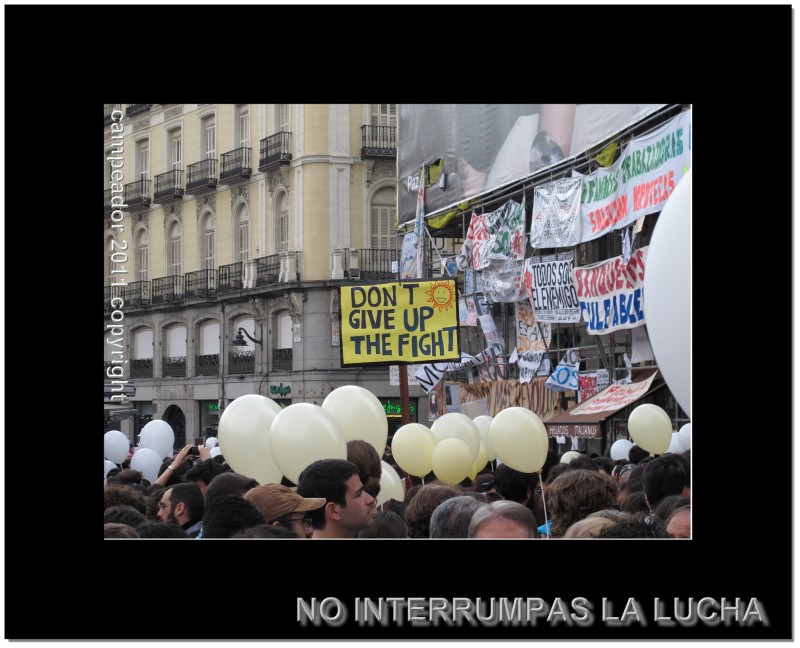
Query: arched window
point(142, 360)
point(383, 214)
point(173, 363)
point(207, 361)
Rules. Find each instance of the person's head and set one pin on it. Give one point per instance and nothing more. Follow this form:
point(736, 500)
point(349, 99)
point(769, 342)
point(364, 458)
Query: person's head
point(118, 530)
point(123, 514)
point(663, 476)
point(159, 529)
point(385, 524)
point(679, 523)
point(128, 477)
point(606, 464)
point(262, 531)
point(120, 494)
point(419, 510)
point(366, 459)
point(452, 517)
point(181, 504)
point(202, 472)
point(281, 506)
point(393, 505)
point(575, 494)
point(348, 507)
point(502, 519)
point(582, 463)
point(588, 527)
point(229, 513)
point(515, 485)
point(176, 475)
point(484, 483)
point(636, 526)
point(669, 504)
point(637, 453)
point(230, 483)
point(635, 502)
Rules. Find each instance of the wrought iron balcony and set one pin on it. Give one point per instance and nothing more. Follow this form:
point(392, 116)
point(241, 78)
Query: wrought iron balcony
point(173, 367)
point(135, 109)
point(200, 284)
point(137, 194)
point(377, 264)
point(136, 293)
point(201, 176)
point(241, 362)
point(268, 269)
point(378, 142)
point(282, 359)
point(166, 289)
point(169, 186)
point(230, 278)
point(235, 164)
point(275, 150)
point(207, 365)
point(142, 368)
point(107, 202)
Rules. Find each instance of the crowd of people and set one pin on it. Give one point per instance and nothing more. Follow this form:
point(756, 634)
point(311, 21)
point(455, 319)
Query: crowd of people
point(201, 497)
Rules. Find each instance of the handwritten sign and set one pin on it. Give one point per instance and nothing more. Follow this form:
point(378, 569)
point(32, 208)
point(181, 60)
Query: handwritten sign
point(405, 322)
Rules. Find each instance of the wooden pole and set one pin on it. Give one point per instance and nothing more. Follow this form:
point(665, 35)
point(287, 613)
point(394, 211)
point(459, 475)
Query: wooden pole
point(405, 413)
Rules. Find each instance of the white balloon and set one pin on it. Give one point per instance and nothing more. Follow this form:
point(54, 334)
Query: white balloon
point(159, 436)
point(675, 446)
point(668, 292)
point(147, 462)
point(391, 485)
point(211, 442)
point(243, 436)
point(455, 425)
point(567, 457)
point(215, 451)
point(685, 435)
point(359, 414)
point(620, 449)
point(483, 423)
point(115, 446)
point(108, 466)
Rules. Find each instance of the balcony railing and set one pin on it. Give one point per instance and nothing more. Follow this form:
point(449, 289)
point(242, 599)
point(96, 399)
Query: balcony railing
point(207, 365)
point(137, 293)
point(235, 164)
point(282, 359)
point(167, 289)
point(107, 201)
point(378, 141)
point(173, 367)
point(135, 109)
point(377, 264)
point(230, 278)
point(142, 368)
point(241, 362)
point(268, 269)
point(275, 150)
point(200, 283)
point(169, 186)
point(137, 194)
point(201, 176)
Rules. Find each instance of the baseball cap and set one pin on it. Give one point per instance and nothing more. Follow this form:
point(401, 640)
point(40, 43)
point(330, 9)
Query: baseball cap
point(275, 500)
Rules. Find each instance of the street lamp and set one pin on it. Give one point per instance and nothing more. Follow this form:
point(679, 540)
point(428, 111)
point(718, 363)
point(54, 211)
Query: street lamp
point(238, 340)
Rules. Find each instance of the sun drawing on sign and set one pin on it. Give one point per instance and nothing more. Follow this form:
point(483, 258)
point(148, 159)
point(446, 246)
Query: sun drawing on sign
point(442, 294)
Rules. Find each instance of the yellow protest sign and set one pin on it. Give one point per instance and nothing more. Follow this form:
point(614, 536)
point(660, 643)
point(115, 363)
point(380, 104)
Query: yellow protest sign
point(401, 322)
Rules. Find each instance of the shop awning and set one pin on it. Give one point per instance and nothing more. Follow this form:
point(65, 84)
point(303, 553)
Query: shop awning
point(604, 405)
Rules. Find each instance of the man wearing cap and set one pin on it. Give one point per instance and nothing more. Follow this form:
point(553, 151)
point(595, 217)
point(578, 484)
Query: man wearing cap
point(281, 506)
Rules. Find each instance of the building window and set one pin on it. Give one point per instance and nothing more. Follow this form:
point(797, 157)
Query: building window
point(383, 215)
point(282, 118)
point(142, 256)
point(174, 255)
point(208, 244)
point(242, 233)
point(143, 159)
point(210, 137)
point(243, 125)
point(283, 224)
point(383, 114)
point(176, 150)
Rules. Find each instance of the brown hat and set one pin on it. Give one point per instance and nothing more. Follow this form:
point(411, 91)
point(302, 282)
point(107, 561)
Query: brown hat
point(275, 500)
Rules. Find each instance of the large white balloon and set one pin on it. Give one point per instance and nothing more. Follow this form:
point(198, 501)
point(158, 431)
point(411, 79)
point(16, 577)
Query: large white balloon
point(243, 436)
point(159, 436)
point(567, 457)
point(216, 451)
point(302, 434)
point(412, 448)
point(147, 461)
point(675, 446)
point(359, 414)
point(455, 425)
point(483, 423)
point(108, 465)
point(452, 460)
point(212, 442)
point(685, 435)
point(620, 449)
point(391, 485)
point(519, 438)
point(115, 446)
point(668, 292)
point(650, 428)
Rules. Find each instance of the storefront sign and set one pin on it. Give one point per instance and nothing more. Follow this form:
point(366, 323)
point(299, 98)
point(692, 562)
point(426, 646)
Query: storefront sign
point(280, 390)
point(582, 431)
point(394, 407)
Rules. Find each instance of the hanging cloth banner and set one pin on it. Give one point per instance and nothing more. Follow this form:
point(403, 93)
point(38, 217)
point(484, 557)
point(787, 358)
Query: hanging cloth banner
point(430, 375)
point(565, 376)
point(556, 217)
point(610, 293)
point(640, 182)
point(503, 281)
point(408, 256)
point(548, 281)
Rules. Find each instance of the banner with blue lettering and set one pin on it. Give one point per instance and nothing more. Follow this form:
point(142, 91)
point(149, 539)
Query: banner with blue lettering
point(610, 293)
point(565, 375)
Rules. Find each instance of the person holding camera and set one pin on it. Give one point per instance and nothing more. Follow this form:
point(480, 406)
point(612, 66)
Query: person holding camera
point(172, 472)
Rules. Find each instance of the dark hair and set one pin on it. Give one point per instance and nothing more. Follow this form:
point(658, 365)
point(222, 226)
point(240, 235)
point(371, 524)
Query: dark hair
point(325, 478)
point(192, 499)
point(176, 474)
point(635, 503)
point(576, 493)
point(117, 494)
point(118, 530)
point(159, 529)
point(204, 471)
point(123, 514)
point(393, 505)
point(229, 483)
point(669, 504)
point(128, 476)
point(227, 514)
point(665, 475)
point(483, 482)
point(637, 526)
point(582, 463)
point(513, 484)
point(366, 459)
point(419, 510)
point(266, 531)
point(385, 524)
point(637, 453)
